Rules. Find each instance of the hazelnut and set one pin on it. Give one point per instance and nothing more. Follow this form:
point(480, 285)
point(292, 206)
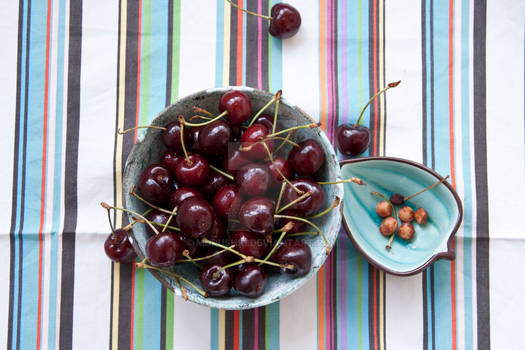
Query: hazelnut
point(397, 199)
point(383, 209)
point(421, 216)
point(406, 231)
point(406, 214)
point(388, 226)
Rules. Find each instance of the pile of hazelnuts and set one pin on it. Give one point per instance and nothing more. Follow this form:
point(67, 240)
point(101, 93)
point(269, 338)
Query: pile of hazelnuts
point(406, 215)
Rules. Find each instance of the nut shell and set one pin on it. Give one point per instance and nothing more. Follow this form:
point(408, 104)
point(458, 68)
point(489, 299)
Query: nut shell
point(384, 209)
point(388, 226)
point(421, 216)
point(406, 231)
point(406, 214)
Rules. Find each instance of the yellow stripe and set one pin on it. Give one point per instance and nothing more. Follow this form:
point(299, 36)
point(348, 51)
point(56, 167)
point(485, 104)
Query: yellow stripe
point(226, 58)
point(222, 331)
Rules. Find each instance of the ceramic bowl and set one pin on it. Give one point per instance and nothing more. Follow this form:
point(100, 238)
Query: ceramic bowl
point(386, 175)
point(147, 151)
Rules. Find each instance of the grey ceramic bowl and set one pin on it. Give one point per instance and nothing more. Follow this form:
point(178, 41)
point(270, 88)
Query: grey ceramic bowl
point(147, 151)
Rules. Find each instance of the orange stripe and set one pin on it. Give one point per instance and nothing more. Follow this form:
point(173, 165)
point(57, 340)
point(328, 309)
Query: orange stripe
point(320, 309)
point(323, 66)
point(236, 330)
point(239, 42)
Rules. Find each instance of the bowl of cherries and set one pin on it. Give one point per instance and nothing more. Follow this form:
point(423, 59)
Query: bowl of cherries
point(233, 196)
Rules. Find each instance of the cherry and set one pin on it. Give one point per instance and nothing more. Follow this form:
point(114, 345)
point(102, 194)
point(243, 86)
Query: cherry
point(234, 161)
point(227, 201)
point(194, 138)
point(217, 231)
point(309, 205)
point(249, 243)
point(236, 133)
point(118, 247)
point(155, 184)
point(286, 21)
point(182, 193)
point(249, 280)
point(283, 166)
point(214, 138)
point(191, 245)
point(250, 139)
point(298, 226)
point(214, 183)
point(216, 286)
point(294, 252)
point(222, 259)
point(195, 217)
point(163, 249)
point(267, 120)
point(193, 170)
point(253, 179)
point(156, 217)
point(238, 105)
point(256, 214)
point(306, 159)
point(168, 159)
point(171, 136)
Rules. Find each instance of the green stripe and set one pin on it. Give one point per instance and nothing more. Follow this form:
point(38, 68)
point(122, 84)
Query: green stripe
point(169, 319)
point(175, 52)
point(139, 309)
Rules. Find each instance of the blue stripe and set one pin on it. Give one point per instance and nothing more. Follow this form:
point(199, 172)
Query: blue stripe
point(219, 48)
point(275, 79)
point(272, 326)
point(152, 312)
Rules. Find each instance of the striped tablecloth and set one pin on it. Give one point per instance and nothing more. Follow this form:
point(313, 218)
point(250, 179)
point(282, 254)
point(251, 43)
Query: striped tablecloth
point(72, 72)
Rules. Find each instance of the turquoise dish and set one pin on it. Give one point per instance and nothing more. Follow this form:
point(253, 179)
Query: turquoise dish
point(386, 175)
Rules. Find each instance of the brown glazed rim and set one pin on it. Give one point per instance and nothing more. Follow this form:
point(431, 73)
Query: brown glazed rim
point(450, 254)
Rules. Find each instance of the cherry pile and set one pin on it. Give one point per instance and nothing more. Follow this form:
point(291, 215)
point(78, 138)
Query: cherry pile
point(229, 199)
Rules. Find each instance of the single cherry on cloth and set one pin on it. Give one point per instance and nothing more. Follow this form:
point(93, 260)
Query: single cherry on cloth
point(163, 249)
point(227, 201)
point(171, 136)
point(282, 165)
point(118, 247)
point(238, 105)
point(253, 179)
point(182, 193)
point(195, 217)
point(235, 160)
point(252, 149)
point(216, 286)
point(286, 21)
point(155, 184)
point(214, 183)
point(306, 159)
point(168, 159)
point(294, 252)
point(256, 214)
point(309, 205)
point(158, 219)
point(249, 280)
point(249, 243)
point(193, 170)
point(214, 138)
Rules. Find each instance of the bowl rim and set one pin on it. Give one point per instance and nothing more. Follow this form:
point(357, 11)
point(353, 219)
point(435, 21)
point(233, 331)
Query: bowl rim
point(301, 280)
point(449, 254)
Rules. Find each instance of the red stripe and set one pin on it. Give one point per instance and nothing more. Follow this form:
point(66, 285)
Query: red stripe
point(236, 330)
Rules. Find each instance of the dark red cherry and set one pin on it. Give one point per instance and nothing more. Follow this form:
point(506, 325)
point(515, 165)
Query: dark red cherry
point(193, 172)
point(157, 217)
point(234, 161)
point(352, 140)
point(214, 183)
point(251, 137)
point(194, 137)
point(283, 166)
point(306, 159)
point(267, 120)
point(298, 226)
point(256, 214)
point(227, 201)
point(118, 247)
point(236, 133)
point(310, 205)
point(155, 184)
point(191, 245)
point(397, 199)
point(249, 280)
point(222, 259)
point(253, 179)
point(238, 105)
point(195, 217)
point(294, 252)
point(216, 286)
point(171, 137)
point(163, 249)
point(249, 243)
point(182, 193)
point(168, 159)
point(214, 138)
point(217, 231)
point(285, 22)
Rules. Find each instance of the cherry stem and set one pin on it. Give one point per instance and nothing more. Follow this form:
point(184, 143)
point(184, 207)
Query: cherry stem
point(308, 222)
point(354, 180)
point(129, 226)
point(298, 199)
point(184, 294)
point(140, 127)
point(428, 188)
point(306, 233)
point(251, 13)
point(280, 195)
point(277, 168)
point(389, 244)
point(133, 193)
point(160, 225)
point(175, 275)
point(202, 110)
point(181, 123)
point(105, 205)
point(221, 172)
point(275, 98)
point(173, 212)
point(111, 224)
point(391, 85)
point(186, 254)
point(214, 119)
point(216, 274)
point(205, 257)
point(306, 126)
point(336, 202)
point(285, 140)
point(286, 228)
point(276, 111)
point(200, 117)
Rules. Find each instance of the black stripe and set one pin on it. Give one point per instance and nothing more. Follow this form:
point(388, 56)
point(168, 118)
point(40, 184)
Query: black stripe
point(425, 309)
point(71, 168)
point(424, 79)
point(248, 326)
point(480, 161)
point(251, 45)
point(169, 58)
point(264, 51)
point(163, 296)
point(233, 47)
point(262, 327)
point(433, 157)
point(228, 330)
point(433, 306)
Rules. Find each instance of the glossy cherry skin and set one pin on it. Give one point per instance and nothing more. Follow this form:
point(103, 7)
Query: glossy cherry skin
point(227, 201)
point(194, 172)
point(168, 159)
point(155, 184)
point(283, 166)
point(236, 133)
point(267, 120)
point(182, 193)
point(256, 214)
point(238, 105)
point(222, 259)
point(214, 138)
point(214, 183)
point(298, 226)
point(219, 286)
point(352, 140)
point(158, 219)
point(194, 138)
point(249, 243)
point(234, 161)
point(306, 159)
point(294, 252)
point(171, 137)
point(249, 280)
point(217, 231)
point(118, 247)
point(251, 137)
point(285, 22)
point(163, 249)
point(253, 179)
point(191, 245)
point(311, 204)
point(195, 217)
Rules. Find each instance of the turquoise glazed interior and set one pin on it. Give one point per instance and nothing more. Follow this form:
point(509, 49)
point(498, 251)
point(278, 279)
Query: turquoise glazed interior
point(390, 175)
point(148, 149)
